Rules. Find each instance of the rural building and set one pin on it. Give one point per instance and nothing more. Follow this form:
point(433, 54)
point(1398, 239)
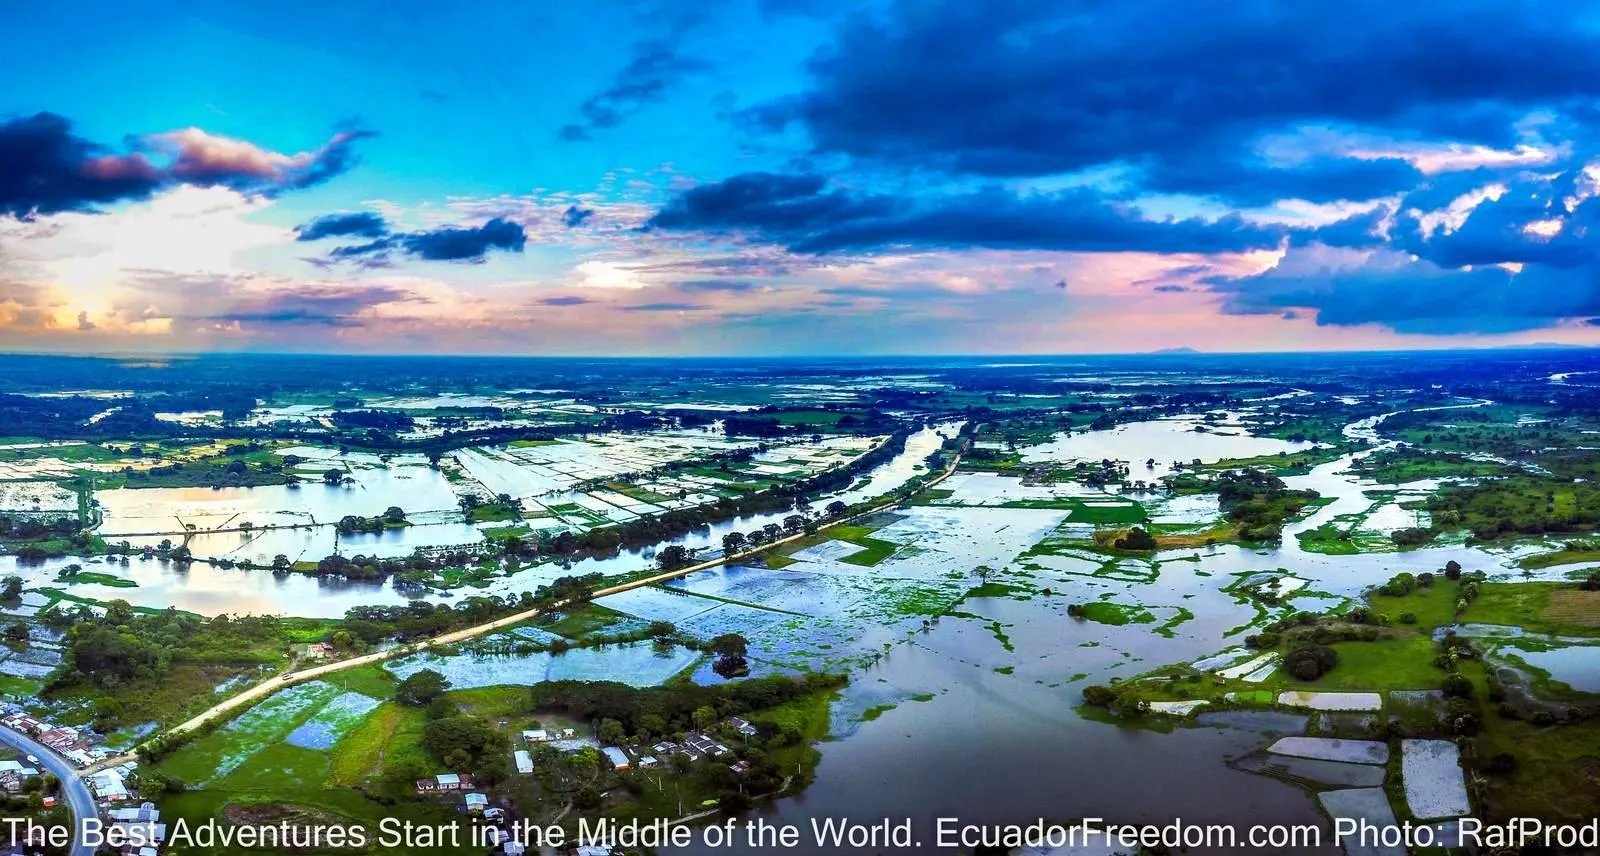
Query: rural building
point(524, 761)
point(536, 735)
point(706, 746)
point(476, 802)
point(617, 757)
point(648, 761)
point(743, 726)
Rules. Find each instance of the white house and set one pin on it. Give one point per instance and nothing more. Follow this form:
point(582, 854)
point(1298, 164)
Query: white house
point(524, 761)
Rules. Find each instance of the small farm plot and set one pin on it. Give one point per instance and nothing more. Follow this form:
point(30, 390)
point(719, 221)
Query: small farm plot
point(21, 669)
point(747, 621)
point(1431, 773)
point(467, 671)
point(995, 490)
point(1186, 510)
point(956, 540)
point(333, 721)
point(640, 665)
point(37, 496)
point(1572, 606)
point(826, 644)
point(793, 591)
point(216, 755)
point(652, 603)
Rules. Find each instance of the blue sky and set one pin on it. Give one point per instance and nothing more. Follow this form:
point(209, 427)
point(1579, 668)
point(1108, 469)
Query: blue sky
point(796, 176)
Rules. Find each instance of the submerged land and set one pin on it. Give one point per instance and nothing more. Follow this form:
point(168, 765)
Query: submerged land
point(1272, 588)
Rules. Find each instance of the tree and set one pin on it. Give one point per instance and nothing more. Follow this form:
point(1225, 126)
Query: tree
point(333, 475)
point(704, 717)
point(660, 630)
point(420, 689)
point(281, 562)
point(731, 667)
point(836, 509)
point(394, 514)
point(672, 557)
point(732, 543)
point(11, 589)
point(1136, 539)
point(731, 649)
point(17, 633)
point(463, 742)
point(1452, 570)
point(610, 731)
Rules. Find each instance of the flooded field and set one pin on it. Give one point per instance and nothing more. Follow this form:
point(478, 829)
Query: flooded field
point(1182, 440)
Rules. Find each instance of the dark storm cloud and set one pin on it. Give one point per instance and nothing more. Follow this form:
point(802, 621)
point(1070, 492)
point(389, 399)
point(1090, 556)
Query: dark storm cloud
point(45, 168)
point(1252, 182)
point(1520, 262)
point(575, 216)
point(654, 69)
point(1497, 232)
point(1409, 296)
point(803, 213)
point(1356, 231)
point(450, 243)
point(359, 225)
point(458, 244)
point(1018, 88)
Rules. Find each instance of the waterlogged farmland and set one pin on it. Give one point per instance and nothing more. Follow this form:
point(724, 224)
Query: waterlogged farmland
point(1021, 569)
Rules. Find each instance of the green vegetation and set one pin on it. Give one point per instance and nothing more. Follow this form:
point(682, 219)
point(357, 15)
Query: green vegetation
point(1410, 464)
point(1106, 612)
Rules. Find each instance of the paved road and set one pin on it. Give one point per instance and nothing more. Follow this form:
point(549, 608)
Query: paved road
point(288, 679)
point(79, 800)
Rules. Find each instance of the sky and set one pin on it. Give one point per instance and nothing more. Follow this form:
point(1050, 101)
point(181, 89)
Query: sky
point(798, 176)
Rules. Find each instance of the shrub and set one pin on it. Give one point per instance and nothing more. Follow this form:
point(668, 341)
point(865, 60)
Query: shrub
point(1310, 662)
point(1130, 705)
point(1262, 640)
point(1456, 686)
point(1411, 537)
point(1099, 695)
point(1136, 539)
point(1408, 618)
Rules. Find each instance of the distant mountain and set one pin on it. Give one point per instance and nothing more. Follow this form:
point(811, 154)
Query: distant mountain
point(1171, 352)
